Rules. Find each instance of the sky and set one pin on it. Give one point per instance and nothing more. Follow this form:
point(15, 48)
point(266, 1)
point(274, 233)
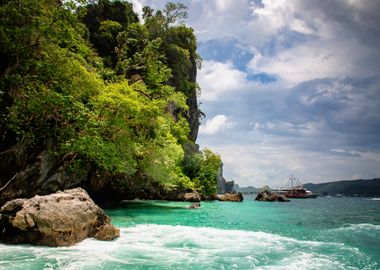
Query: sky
point(289, 87)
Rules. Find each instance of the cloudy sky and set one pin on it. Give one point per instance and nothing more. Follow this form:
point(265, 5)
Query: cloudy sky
point(289, 87)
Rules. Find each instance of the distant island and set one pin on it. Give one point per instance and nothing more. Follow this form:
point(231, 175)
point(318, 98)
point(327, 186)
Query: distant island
point(361, 187)
point(246, 190)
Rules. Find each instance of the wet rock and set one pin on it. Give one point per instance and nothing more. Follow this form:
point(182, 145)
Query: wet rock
point(230, 197)
point(107, 232)
point(59, 219)
point(268, 196)
point(194, 205)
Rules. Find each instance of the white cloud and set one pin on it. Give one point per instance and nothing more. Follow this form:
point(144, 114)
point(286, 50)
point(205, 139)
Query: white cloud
point(344, 151)
point(138, 6)
point(323, 128)
point(216, 78)
point(268, 163)
point(218, 19)
point(217, 124)
point(295, 40)
point(285, 128)
point(317, 59)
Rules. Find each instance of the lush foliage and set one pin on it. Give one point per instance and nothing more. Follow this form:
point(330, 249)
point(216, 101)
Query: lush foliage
point(95, 82)
point(203, 168)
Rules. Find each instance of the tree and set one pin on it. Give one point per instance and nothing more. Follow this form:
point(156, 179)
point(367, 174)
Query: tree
point(105, 20)
point(175, 12)
point(105, 40)
point(202, 168)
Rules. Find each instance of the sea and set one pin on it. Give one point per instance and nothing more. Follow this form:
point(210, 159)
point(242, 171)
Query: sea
point(322, 233)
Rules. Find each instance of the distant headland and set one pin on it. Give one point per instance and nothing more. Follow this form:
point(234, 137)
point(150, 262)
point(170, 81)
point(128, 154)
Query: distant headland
point(359, 187)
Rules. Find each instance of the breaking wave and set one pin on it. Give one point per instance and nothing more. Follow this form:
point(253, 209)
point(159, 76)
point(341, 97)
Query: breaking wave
point(182, 247)
point(360, 227)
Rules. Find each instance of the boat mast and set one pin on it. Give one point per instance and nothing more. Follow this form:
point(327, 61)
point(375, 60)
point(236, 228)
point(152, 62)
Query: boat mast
point(292, 180)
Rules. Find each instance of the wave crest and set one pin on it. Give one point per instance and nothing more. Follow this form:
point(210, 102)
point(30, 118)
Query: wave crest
point(182, 247)
point(361, 227)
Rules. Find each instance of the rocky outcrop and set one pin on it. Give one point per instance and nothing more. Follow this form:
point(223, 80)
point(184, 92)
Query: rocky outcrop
point(194, 205)
point(268, 196)
point(212, 197)
point(110, 193)
point(59, 219)
point(223, 185)
point(192, 197)
point(44, 174)
point(230, 197)
point(107, 232)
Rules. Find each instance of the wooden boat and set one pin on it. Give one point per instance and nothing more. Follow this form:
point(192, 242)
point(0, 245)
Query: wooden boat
point(296, 191)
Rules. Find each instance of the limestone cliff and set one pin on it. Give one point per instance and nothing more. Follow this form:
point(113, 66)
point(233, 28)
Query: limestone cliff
point(188, 75)
point(194, 112)
point(224, 186)
point(43, 173)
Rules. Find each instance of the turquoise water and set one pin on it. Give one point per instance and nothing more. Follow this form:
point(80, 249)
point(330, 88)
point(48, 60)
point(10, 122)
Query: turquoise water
point(322, 233)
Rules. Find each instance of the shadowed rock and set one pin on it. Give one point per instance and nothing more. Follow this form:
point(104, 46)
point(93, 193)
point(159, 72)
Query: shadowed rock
point(59, 219)
point(230, 197)
point(107, 232)
point(268, 196)
point(194, 205)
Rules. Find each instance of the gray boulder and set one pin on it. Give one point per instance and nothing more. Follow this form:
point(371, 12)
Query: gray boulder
point(268, 196)
point(59, 219)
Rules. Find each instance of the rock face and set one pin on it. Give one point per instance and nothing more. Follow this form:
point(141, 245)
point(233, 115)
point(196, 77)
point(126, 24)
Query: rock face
point(107, 232)
point(268, 196)
point(192, 197)
point(230, 197)
point(59, 219)
point(45, 174)
point(223, 185)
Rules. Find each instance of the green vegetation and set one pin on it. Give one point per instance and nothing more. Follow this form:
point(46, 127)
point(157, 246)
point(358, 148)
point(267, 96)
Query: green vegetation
point(93, 82)
point(203, 168)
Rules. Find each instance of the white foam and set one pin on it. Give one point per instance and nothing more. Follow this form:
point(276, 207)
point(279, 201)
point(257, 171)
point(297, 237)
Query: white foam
point(361, 226)
point(179, 247)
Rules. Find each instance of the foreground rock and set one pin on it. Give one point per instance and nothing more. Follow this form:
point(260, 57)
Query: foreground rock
point(268, 196)
point(59, 219)
point(230, 197)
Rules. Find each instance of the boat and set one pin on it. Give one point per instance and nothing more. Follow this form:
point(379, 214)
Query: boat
point(296, 191)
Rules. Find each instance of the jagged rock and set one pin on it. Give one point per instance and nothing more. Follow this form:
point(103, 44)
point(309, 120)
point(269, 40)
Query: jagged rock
point(268, 196)
point(192, 197)
point(213, 197)
point(230, 197)
point(107, 232)
point(194, 205)
point(224, 186)
point(59, 219)
point(45, 174)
